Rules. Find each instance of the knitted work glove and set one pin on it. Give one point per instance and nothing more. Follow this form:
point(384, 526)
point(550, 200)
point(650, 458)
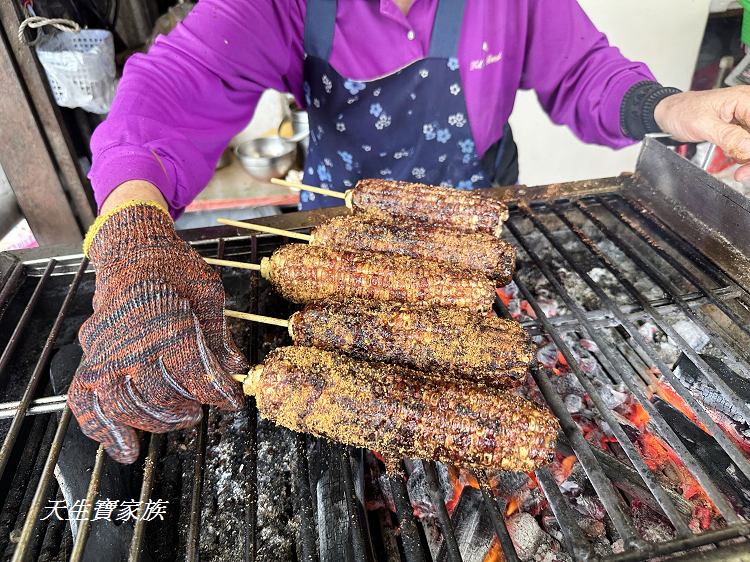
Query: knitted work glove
point(157, 344)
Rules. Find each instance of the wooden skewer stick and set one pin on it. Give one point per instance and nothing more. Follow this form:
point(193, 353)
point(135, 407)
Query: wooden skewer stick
point(346, 195)
point(229, 263)
point(267, 229)
point(257, 318)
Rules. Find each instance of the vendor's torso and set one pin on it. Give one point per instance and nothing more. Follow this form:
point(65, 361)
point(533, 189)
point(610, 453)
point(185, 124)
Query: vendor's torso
point(411, 124)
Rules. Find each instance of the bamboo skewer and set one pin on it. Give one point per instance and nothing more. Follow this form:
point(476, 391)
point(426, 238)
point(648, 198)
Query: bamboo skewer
point(257, 318)
point(266, 229)
point(346, 195)
point(229, 263)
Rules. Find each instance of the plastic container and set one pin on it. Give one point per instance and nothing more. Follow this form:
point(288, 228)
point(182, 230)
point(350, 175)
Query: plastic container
point(80, 68)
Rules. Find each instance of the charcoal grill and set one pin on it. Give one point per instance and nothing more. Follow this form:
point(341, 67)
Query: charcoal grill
point(680, 229)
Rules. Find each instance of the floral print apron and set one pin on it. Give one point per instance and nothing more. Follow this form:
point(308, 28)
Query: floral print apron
point(410, 125)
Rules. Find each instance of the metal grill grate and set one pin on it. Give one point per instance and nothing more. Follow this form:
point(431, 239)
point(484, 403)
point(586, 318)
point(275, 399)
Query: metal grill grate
point(43, 302)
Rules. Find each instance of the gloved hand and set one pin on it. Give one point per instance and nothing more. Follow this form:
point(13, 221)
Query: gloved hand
point(718, 116)
point(157, 344)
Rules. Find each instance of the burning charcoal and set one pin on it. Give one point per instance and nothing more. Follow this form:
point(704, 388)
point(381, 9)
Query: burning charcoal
point(705, 392)
point(506, 483)
point(573, 403)
point(649, 331)
point(602, 547)
point(692, 334)
point(713, 458)
point(592, 528)
point(472, 526)
point(417, 488)
point(650, 525)
point(527, 535)
point(548, 355)
point(612, 397)
point(590, 506)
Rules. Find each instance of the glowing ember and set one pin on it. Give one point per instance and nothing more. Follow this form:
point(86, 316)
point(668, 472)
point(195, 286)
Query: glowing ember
point(638, 416)
point(495, 554)
point(668, 394)
point(512, 507)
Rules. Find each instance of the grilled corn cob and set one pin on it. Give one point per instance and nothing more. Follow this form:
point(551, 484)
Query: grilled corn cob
point(483, 252)
point(400, 412)
point(303, 273)
point(481, 349)
point(468, 211)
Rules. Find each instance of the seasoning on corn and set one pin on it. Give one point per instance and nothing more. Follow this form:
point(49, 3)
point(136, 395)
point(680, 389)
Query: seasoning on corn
point(303, 273)
point(399, 412)
point(479, 251)
point(485, 350)
point(468, 211)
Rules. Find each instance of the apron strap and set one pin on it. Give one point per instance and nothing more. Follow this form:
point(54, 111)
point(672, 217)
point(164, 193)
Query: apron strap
point(320, 20)
point(447, 28)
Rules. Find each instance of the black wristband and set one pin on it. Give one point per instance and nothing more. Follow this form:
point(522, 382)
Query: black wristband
point(638, 106)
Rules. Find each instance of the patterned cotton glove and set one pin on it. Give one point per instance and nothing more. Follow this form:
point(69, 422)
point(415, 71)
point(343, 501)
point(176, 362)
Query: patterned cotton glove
point(157, 344)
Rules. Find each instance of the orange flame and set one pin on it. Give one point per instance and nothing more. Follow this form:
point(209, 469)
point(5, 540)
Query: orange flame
point(495, 553)
point(505, 297)
point(668, 394)
point(567, 465)
point(512, 507)
point(639, 416)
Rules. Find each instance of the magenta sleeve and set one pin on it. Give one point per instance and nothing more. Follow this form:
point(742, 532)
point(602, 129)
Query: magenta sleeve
point(579, 78)
point(194, 90)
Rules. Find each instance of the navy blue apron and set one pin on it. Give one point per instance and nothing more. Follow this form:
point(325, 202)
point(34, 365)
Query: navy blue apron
point(410, 125)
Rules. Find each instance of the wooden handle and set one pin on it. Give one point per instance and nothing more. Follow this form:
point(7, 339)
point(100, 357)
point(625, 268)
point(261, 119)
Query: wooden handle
point(301, 186)
point(267, 229)
point(229, 263)
point(257, 318)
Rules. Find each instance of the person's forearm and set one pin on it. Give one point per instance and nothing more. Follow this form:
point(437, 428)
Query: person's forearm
point(133, 190)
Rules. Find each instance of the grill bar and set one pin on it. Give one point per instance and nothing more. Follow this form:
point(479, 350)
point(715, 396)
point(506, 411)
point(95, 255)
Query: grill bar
point(251, 442)
point(199, 465)
point(575, 542)
point(15, 426)
point(45, 405)
point(666, 504)
point(41, 490)
point(603, 486)
point(616, 366)
point(149, 467)
point(433, 489)
point(686, 247)
point(26, 316)
point(705, 369)
point(308, 548)
point(650, 550)
point(666, 372)
point(361, 547)
point(657, 277)
point(407, 522)
point(93, 491)
point(495, 508)
point(10, 285)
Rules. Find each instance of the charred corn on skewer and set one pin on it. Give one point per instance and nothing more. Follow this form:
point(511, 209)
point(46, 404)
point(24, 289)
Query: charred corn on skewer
point(469, 211)
point(480, 251)
point(399, 412)
point(303, 273)
point(486, 350)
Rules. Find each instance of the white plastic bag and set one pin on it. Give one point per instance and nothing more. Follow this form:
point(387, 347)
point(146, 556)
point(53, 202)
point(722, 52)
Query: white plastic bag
point(80, 68)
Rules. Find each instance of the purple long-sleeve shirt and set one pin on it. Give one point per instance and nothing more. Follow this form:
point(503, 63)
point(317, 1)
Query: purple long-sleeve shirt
point(199, 86)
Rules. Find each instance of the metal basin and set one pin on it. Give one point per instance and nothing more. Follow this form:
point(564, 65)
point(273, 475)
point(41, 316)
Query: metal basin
point(266, 158)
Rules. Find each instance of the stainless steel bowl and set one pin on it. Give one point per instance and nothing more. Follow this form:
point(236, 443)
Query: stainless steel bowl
point(267, 157)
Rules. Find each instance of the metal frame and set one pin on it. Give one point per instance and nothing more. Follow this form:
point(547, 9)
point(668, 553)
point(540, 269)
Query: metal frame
point(614, 207)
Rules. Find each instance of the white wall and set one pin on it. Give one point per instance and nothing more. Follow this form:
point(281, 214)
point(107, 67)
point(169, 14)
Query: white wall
point(666, 34)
